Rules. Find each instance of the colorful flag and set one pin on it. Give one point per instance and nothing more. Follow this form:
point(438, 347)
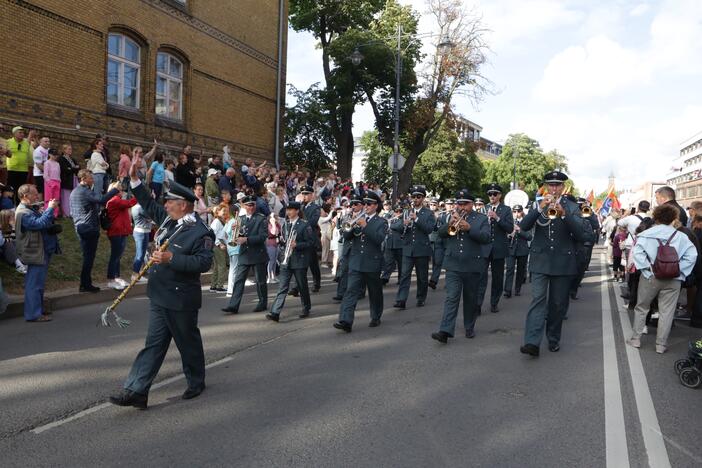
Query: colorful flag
point(591, 197)
point(610, 202)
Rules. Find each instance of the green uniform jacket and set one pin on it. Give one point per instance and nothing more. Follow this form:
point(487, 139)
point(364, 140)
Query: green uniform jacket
point(467, 252)
point(553, 250)
point(299, 258)
point(176, 285)
point(367, 245)
point(499, 230)
point(519, 245)
point(254, 250)
point(417, 235)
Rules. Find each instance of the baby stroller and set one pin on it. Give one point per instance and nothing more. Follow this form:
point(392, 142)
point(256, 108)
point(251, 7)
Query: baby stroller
point(689, 369)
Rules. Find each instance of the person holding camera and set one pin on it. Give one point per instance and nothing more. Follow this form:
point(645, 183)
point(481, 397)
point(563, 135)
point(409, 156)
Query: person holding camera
point(36, 243)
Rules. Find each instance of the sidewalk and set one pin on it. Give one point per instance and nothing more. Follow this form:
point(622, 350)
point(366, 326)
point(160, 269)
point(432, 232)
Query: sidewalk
point(69, 298)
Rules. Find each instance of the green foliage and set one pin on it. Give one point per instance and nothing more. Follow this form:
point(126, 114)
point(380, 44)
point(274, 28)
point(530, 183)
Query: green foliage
point(308, 139)
point(448, 165)
point(375, 166)
point(531, 164)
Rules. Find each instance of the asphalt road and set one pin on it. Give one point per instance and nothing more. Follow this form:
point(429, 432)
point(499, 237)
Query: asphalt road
point(299, 393)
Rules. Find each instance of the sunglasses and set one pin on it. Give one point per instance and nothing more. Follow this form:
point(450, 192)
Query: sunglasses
point(417, 196)
point(369, 203)
point(493, 194)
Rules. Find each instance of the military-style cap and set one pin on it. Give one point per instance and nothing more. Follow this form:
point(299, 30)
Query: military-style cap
point(306, 189)
point(493, 187)
point(555, 177)
point(355, 198)
point(450, 201)
point(463, 196)
point(294, 205)
point(418, 190)
point(371, 197)
point(434, 201)
point(582, 201)
point(517, 208)
point(177, 191)
point(248, 200)
point(479, 200)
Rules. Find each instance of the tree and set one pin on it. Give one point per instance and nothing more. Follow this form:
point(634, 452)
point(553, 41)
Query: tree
point(341, 26)
point(375, 165)
point(449, 164)
point(456, 72)
point(308, 139)
point(531, 164)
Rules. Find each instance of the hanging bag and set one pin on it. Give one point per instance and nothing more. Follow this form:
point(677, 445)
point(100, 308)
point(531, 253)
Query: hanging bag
point(667, 263)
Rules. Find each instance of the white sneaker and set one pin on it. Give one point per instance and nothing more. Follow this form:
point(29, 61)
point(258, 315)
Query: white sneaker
point(21, 269)
point(115, 285)
point(660, 349)
point(122, 282)
point(645, 330)
point(635, 342)
point(249, 283)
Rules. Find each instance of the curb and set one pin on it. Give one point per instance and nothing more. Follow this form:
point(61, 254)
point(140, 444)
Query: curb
point(69, 298)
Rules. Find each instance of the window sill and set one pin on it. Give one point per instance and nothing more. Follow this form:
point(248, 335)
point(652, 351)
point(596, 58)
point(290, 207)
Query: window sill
point(179, 5)
point(162, 121)
point(125, 112)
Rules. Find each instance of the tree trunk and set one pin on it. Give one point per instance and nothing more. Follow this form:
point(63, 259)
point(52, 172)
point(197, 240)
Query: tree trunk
point(344, 145)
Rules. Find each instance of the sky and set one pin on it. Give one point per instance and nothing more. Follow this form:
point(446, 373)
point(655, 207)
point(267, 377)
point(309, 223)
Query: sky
point(615, 85)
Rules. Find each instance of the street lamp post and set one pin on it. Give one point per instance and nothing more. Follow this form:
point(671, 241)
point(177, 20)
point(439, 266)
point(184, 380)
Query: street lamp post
point(356, 57)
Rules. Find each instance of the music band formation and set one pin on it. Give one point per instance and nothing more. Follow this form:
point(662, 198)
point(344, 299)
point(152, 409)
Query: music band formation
point(464, 237)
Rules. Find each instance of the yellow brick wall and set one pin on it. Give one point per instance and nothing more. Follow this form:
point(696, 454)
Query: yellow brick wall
point(60, 68)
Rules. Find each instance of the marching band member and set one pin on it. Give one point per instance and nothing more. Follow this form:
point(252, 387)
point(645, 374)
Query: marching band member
point(311, 212)
point(585, 251)
point(252, 254)
point(342, 270)
point(501, 224)
point(297, 237)
point(417, 251)
point(365, 262)
point(479, 206)
point(557, 227)
point(518, 254)
point(440, 244)
point(393, 246)
point(467, 238)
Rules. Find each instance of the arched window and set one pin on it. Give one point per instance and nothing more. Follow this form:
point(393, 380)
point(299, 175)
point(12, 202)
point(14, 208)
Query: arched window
point(123, 67)
point(169, 86)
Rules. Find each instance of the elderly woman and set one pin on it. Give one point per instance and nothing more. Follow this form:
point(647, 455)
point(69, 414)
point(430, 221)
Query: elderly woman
point(667, 289)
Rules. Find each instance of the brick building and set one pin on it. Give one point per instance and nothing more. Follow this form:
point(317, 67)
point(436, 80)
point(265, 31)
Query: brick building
point(199, 72)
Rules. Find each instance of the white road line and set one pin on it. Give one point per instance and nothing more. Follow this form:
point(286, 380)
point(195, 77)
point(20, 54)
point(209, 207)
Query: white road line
point(650, 429)
point(616, 449)
point(175, 378)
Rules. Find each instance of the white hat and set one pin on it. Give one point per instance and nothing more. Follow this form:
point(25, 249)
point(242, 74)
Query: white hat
point(240, 195)
point(244, 168)
point(212, 171)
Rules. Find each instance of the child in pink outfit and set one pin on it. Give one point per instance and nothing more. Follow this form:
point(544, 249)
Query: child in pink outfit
point(52, 178)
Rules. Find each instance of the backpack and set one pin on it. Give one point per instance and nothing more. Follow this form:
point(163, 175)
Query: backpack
point(667, 263)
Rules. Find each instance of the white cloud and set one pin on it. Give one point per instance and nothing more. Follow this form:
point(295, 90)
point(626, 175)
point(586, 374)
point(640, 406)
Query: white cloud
point(640, 9)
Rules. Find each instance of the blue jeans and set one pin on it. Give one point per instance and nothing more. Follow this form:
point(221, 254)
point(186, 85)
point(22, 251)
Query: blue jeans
point(141, 239)
point(157, 187)
point(117, 245)
point(88, 244)
point(34, 283)
point(98, 183)
point(549, 304)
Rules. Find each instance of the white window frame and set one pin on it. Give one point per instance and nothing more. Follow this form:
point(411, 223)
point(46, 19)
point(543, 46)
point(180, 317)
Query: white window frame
point(170, 80)
point(121, 62)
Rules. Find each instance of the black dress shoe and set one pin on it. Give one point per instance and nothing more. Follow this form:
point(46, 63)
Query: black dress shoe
point(399, 305)
point(470, 333)
point(294, 292)
point(517, 292)
point(385, 281)
point(305, 314)
point(230, 310)
point(374, 323)
point(441, 337)
point(191, 393)
point(90, 289)
point(273, 317)
point(494, 309)
point(432, 284)
point(316, 288)
point(260, 308)
point(508, 294)
point(420, 303)
point(530, 349)
point(337, 298)
point(574, 296)
point(129, 398)
point(346, 326)
point(554, 347)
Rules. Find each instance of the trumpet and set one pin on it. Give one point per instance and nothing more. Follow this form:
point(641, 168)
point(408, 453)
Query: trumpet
point(289, 247)
point(453, 226)
point(552, 212)
point(586, 212)
point(236, 232)
point(348, 226)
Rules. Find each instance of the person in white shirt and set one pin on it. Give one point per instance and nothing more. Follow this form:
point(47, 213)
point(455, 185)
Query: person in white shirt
point(98, 166)
point(40, 155)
